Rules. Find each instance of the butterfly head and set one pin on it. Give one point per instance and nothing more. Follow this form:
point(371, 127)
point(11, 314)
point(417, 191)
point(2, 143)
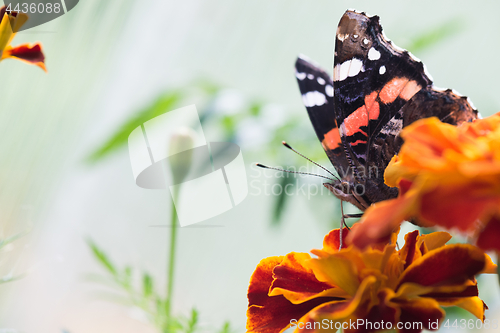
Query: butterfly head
point(348, 190)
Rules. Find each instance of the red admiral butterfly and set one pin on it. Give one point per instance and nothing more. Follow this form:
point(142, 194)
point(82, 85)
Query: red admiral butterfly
point(377, 89)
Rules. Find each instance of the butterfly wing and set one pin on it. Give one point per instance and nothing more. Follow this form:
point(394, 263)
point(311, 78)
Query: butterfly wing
point(316, 87)
point(373, 80)
point(378, 89)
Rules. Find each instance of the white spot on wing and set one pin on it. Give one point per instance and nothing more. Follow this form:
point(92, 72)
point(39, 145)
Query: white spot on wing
point(342, 37)
point(373, 54)
point(347, 68)
point(344, 70)
point(365, 41)
point(321, 81)
point(300, 76)
point(310, 76)
point(313, 98)
point(356, 66)
point(381, 70)
point(336, 72)
point(329, 90)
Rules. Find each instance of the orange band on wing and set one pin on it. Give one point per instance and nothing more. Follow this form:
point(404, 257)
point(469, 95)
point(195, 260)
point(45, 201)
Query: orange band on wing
point(332, 139)
point(357, 142)
point(409, 90)
point(391, 90)
point(360, 117)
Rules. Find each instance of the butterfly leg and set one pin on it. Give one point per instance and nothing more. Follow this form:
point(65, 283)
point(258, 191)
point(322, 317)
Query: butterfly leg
point(342, 224)
point(353, 216)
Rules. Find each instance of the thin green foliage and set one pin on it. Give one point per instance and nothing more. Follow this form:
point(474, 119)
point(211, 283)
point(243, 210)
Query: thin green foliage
point(143, 295)
point(226, 328)
point(162, 104)
point(3, 243)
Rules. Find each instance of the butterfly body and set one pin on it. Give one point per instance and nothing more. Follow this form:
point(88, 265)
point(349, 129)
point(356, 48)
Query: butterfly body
point(377, 89)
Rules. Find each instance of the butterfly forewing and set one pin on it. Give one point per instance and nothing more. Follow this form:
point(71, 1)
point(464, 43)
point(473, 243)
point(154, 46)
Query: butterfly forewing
point(316, 87)
point(378, 89)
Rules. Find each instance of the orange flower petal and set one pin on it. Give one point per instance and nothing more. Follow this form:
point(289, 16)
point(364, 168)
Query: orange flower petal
point(337, 270)
point(331, 243)
point(311, 322)
point(453, 173)
point(435, 240)
point(490, 267)
point(452, 264)
point(474, 305)
point(337, 311)
point(453, 207)
point(296, 282)
point(261, 280)
point(379, 222)
point(272, 314)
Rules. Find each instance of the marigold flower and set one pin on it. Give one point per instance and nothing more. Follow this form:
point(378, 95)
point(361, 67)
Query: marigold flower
point(9, 25)
point(448, 176)
point(377, 283)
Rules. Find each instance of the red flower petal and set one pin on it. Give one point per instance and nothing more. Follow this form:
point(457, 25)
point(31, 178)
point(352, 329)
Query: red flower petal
point(451, 264)
point(489, 237)
point(469, 291)
point(379, 222)
point(419, 313)
point(331, 243)
point(384, 311)
point(297, 282)
point(454, 208)
point(407, 253)
point(29, 53)
point(272, 314)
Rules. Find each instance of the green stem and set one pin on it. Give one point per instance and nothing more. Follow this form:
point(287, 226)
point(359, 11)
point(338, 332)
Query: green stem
point(171, 265)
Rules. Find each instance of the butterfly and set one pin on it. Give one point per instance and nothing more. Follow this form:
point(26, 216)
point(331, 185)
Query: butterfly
point(377, 89)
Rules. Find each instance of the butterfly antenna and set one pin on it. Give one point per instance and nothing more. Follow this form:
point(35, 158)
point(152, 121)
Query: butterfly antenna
point(316, 164)
point(290, 171)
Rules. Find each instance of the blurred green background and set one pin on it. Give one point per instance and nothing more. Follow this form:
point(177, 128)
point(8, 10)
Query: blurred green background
point(65, 174)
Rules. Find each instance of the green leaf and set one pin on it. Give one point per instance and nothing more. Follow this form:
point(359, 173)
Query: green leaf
point(434, 36)
point(147, 285)
point(11, 239)
point(281, 199)
point(256, 108)
point(226, 328)
point(192, 322)
point(162, 104)
point(102, 258)
point(229, 125)
point(10, 278)
point(127, 277)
